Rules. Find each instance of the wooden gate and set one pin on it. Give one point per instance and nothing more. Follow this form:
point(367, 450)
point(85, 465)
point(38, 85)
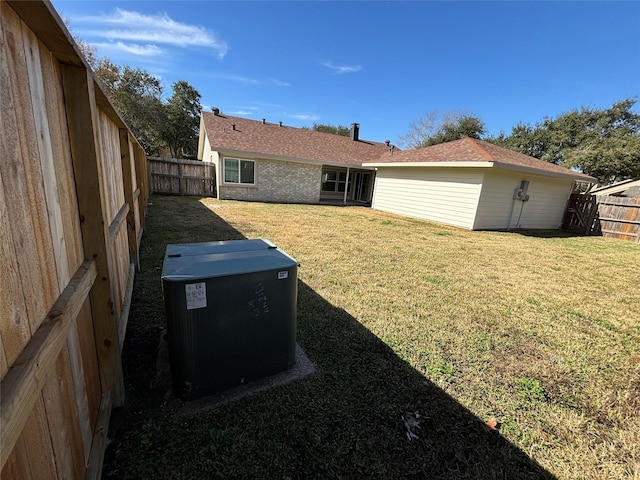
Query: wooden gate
point(581, 215)
point(182, 177)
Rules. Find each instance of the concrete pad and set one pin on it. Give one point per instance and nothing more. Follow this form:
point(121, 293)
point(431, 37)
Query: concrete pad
point(303, 368)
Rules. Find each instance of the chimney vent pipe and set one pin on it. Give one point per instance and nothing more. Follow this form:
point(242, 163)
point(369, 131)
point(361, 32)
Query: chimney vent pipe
point(264, 120)
point(355, 130)
point(233, 126)
point(280, 123)
point(215, 110)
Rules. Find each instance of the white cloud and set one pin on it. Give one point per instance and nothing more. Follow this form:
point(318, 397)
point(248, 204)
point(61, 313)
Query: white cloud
point(151, 29)
point(340, 70)
point(307, 117)
point(279, 83)
point(132, 48)
point(237, 78)
point(241, 112)
point(251, 81)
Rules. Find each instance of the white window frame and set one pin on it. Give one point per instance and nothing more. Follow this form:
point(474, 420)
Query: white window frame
point(239, 182)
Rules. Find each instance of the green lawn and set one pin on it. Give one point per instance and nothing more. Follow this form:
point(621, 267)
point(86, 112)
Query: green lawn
point(406, 321)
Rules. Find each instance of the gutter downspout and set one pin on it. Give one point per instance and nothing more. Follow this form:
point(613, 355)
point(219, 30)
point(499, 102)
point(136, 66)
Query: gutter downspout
point(346, 188)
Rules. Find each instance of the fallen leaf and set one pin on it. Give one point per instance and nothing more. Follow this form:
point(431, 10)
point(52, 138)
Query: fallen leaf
point(492, 424)
point(412, 420)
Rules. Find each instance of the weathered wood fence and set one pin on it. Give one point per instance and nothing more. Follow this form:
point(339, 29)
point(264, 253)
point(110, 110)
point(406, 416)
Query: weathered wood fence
point(73, 196)
point(607, 215)
point(182, 177)
point(619, 217)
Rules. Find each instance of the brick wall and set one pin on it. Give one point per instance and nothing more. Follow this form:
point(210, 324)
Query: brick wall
point(278, 181)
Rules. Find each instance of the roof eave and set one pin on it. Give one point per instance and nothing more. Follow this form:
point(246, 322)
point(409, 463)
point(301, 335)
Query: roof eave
point(283, 158)
point(429, 164)
point(581, 177)
point(483, 164)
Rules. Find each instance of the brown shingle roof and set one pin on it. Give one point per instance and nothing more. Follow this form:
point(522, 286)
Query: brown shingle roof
point(472, 150)
point(271, 139)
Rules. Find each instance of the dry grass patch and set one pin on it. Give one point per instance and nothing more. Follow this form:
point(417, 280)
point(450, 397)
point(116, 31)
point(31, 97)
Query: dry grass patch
point(540, 332)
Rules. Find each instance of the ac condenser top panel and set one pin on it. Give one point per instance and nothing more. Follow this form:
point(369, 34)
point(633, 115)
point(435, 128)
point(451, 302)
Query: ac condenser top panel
point(221, 259)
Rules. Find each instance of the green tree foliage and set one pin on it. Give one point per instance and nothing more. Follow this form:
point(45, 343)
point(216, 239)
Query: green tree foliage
point(433, 128)
point(137, 95)
point(335, 129)
point(158, 125)
point(182, 121)
point(604, 143)
point(466, 126)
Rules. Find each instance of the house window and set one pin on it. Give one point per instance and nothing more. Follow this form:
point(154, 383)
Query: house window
point(334, 181)
point(239, 171)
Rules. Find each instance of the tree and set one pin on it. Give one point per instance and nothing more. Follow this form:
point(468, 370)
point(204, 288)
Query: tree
point(181, 128)
point(433, 128)
point(336, 130)
point(603, 143)
point(137, 95)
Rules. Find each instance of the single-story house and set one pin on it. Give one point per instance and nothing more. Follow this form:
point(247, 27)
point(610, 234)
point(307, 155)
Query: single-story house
point(467, 183)
point(625, 188)
point(262, 161)
point(475, 185)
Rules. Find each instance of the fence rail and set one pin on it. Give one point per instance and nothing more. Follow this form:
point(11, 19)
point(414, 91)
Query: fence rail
point(181, 177)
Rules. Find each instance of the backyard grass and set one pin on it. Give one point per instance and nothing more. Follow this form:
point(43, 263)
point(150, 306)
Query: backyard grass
point(440, 353)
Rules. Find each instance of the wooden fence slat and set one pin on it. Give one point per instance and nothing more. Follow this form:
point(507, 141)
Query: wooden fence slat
point(126, 306)
point(23, 382)
point(47, 163)
point(96, 457)
point(130, 189)
point(23, 181)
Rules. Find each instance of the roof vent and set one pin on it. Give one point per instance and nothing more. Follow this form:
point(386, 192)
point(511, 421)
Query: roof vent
point(264, 120)
point(387, 142)
point(355, 130)
point(233, 127)
point(215, 110)
point(280, 123)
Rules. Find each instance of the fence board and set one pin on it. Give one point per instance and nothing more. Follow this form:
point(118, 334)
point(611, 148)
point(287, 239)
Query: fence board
point(84, 135)
point(182, 177)
point(22, 179)
point(62, 165)
point(62, 184)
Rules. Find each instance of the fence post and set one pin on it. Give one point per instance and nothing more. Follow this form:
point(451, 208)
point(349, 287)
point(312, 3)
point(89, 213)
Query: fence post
point(84, 137)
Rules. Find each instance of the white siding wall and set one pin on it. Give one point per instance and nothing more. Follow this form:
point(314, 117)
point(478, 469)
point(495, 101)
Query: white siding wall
point(212, 157)
point(445, 195)
point(497, 210)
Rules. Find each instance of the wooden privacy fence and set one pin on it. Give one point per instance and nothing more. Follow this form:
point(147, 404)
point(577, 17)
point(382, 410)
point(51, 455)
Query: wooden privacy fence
point(73, 196)
point(182, 177)
point(606, 215)
point(619, 217)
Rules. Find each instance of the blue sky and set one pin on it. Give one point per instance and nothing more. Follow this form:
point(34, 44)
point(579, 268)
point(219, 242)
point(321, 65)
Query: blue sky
point(380, 64)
